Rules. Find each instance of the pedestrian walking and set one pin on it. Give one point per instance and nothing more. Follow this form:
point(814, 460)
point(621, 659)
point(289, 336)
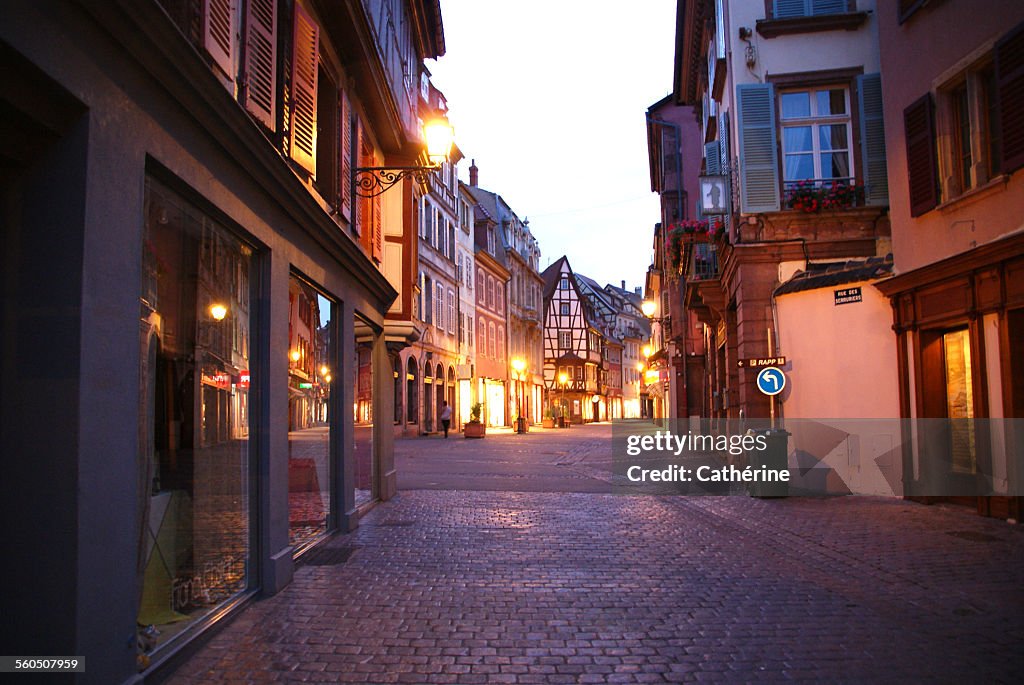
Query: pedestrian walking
point(446, 418)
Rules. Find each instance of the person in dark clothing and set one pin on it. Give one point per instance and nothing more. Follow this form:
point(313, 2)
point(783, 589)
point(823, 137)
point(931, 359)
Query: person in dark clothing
point(446, 418)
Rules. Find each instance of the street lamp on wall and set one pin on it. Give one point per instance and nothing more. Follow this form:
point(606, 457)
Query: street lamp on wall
point(438, 136)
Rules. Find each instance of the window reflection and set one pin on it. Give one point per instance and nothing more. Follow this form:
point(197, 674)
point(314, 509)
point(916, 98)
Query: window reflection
point(194, 409)
point(310, 378)
point(363, 413)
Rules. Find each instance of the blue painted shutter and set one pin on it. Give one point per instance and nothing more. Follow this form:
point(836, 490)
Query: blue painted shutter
point(712, 157)
point(759, 165)
point(872, 139)
point(789, 8)
point(828, 6)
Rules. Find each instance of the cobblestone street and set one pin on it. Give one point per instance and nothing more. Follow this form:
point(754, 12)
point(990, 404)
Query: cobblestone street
point(446, 586)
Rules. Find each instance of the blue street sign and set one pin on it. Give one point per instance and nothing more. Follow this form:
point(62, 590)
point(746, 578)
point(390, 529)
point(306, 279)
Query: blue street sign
point(771, 381)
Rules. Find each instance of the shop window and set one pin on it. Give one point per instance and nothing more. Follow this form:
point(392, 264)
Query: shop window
point(311, 374)
point(362, 378)
point(194, 552)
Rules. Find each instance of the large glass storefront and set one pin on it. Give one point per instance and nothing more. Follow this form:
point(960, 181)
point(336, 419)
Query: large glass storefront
point(363, 382)
point(311, 370)
point(194, 464)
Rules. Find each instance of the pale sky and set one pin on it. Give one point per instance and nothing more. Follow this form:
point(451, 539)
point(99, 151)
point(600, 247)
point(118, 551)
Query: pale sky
point(549, 97)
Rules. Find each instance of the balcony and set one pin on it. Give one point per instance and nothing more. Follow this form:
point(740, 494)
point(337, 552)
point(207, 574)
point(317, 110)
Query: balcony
point(703, 264)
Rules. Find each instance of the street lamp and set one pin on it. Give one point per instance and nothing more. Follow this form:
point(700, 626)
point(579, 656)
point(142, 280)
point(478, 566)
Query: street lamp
point(519, 366)
point(218, 311)
point(648, 307)
point(438, 136)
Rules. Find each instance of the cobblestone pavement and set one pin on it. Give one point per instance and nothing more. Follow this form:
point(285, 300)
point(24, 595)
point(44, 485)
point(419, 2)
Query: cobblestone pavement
point(544, 587)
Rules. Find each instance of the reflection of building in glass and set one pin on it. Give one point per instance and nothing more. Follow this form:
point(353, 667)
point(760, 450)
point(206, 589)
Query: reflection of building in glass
point(303, 329)
point(196, 325)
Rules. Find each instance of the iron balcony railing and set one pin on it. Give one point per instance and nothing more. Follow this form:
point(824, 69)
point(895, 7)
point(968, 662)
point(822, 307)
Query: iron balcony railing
point(703, 262)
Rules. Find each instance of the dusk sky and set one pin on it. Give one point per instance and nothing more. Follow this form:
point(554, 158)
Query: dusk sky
point(549, 98)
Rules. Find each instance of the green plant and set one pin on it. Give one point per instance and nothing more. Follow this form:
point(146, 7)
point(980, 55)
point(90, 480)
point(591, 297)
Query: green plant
point(549, 413)
point(475, 411)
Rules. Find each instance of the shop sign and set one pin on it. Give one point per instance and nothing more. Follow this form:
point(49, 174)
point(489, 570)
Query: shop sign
point(217, 380)
point(847, 295)
point(243, 379)
point(305, 386)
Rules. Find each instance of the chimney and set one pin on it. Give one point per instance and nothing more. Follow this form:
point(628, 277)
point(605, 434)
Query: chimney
point(638, 290)
point(623, 284)
point(474, 175)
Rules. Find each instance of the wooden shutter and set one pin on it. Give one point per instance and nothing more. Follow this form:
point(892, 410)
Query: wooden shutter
point(261, 60)
point(713, 157)
point(872, 139)
point(346, 155)
point(304, 76)
point(919, 131)
point(359, 157)
point(219, 33)
point(1009, 74)
point(759, 164)
point(377, 238)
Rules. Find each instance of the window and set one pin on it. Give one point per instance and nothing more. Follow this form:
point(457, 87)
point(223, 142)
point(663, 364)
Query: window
point(816, 134)
point(563, 309)
point(490, 292)
point(564, 283)
point(483, 337)
point(469, 330)
point(469, 273)
point(492, 347)
point(501, 343)
point(195, 283)
point(815, 125)
point(970, 131)
point(499, 297)
point(967, 110)
point(565, 340)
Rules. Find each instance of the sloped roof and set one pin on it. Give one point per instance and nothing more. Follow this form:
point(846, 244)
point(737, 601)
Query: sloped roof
point(830, 274)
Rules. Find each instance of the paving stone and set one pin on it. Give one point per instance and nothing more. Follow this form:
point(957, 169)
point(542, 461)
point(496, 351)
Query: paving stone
point(555, 587)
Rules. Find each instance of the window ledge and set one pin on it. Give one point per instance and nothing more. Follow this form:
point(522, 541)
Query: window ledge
point(996, 185)
point(848, 21)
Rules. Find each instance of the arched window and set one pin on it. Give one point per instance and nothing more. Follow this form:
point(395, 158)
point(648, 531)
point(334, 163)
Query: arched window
point(491, 342)
point(501, 343)
point(396, 369)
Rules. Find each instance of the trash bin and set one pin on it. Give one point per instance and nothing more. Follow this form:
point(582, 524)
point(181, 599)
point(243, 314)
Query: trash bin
point(775, 457)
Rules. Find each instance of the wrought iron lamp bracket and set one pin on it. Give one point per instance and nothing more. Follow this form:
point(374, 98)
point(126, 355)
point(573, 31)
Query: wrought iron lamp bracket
point(374, 181)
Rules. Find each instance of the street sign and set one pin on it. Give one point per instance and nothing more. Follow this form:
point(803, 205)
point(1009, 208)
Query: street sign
point(848, 295)
point(771, 381)
point(760, 362)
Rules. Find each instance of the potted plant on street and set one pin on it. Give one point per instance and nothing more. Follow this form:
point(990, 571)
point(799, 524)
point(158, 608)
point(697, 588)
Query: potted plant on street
point(474, 428)
point(549, 418)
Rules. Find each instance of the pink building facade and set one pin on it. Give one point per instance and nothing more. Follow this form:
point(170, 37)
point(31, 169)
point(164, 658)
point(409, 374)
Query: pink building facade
point(955, 139)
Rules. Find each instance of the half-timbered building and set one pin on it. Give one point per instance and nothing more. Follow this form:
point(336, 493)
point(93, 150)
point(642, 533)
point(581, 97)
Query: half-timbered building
point(572, 345)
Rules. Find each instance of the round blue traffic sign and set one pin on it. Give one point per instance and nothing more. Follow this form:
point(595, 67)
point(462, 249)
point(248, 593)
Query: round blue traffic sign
point(771, 380)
